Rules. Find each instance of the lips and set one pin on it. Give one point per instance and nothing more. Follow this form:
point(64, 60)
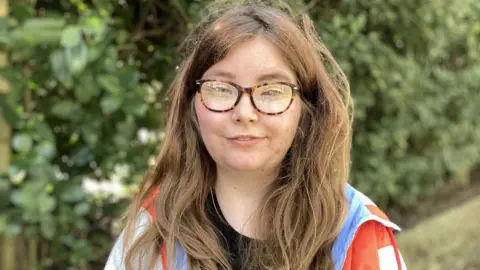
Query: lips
point(244, 137)
point(245, 140)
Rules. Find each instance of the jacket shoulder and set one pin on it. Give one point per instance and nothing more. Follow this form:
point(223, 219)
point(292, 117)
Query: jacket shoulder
point(361, 209)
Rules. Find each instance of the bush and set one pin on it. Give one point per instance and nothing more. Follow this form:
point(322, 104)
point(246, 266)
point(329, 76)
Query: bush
point(414, 73)
point(85, 122)
point(86, 105)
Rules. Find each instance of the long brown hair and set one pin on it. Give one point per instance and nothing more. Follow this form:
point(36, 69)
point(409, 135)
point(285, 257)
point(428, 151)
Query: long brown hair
point(305, 207)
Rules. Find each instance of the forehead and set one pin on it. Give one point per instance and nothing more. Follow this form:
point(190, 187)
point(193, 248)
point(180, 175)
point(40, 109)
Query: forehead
point(252, 61)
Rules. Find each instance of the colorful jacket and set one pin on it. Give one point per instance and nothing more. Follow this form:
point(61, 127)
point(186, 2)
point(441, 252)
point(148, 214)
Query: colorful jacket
point(365, 242)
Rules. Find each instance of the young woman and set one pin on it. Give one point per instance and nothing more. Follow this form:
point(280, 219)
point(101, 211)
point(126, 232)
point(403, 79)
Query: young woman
point(253, 170)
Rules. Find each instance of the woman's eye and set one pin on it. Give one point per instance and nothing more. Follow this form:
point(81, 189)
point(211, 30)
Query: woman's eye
point(272, 92)
point(222, 90)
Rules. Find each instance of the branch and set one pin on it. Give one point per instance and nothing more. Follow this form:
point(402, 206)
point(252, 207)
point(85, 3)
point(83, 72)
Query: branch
point(157, 32)
point(143, 16)
point(178, 6)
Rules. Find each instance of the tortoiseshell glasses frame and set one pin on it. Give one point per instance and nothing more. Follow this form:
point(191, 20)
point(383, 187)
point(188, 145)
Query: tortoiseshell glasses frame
point(249, 91)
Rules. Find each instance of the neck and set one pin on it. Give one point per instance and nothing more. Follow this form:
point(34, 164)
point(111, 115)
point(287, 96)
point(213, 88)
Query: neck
point(240, 194)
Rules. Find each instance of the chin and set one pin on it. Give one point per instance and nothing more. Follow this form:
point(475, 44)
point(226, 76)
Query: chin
point(248, 166)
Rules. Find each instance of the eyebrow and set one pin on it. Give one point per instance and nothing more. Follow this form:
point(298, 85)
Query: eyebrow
point(274, 76)
point(280, 76)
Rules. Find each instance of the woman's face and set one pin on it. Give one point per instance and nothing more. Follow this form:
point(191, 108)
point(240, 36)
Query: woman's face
point(244, 139)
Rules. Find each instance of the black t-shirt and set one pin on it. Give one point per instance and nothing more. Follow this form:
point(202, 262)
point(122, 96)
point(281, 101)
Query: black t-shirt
point(233, 242)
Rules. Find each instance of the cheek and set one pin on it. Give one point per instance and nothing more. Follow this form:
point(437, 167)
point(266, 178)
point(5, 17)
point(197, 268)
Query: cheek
point(284, 128)
point(208, 121)
point(202, 117)
point(291, 119)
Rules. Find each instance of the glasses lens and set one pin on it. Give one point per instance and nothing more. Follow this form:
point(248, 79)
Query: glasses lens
point(218, 96)
point(273, 98)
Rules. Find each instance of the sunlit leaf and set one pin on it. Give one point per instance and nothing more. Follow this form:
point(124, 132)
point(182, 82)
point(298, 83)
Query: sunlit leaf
point(47, 227)
point(22, 142)
point(110, 104)
point(66, 109)
point(71, 37)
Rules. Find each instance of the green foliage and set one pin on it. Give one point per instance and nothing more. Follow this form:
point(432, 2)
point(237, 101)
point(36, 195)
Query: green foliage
point(413, 70)
point(76, 107)
point(87, 105)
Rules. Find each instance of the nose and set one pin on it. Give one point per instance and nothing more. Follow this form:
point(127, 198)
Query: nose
point(245, 111)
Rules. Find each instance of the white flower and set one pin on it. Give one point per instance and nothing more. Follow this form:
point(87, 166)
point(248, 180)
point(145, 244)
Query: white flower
point(118, 191)
point(59, 175)
point(18, 177)
point(152, 161)
point(142, 135)
point(108, 189)
point(122, 170)
point(91, 186)
point(161, 135)
point(145, 136)
point(115, 178)
point(113, 190)
point(98, 172)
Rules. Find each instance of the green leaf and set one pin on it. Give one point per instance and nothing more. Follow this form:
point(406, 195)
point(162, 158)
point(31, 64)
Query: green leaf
point(17, 175)
point(17, 198)
point(60, 68)
point(110, 104)
point(21, 11)
point(66, 109)
point(111, 84)
point(71, 37)
point(94, 52)
point(5, 40)
point(91, 134)
point(22, 142)
point(95, 26)
point(86, 88)
point(128, 127)
point(47, 227)
point(121, 141)
point(22, 53)
point(42, 172)
point(72, 193)
point(44, 23)
point(110, 59)
point(46, 204)
point(129, 77)
point(77, 58)
point(13, 229)
point(67, 239)
point(81, 224)
point(46, 150)
point(36, 37)
point(7, 109)
point(44, 131)
point(39, 31)
point(82, 156)
point(103, 6)
point(122, 37)
point(135, 106)
point(82, 209)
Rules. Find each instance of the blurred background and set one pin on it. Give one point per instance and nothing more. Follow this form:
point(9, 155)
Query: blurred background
point(82, 103)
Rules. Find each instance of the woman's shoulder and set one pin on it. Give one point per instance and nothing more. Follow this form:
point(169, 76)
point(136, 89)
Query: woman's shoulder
point(366, 239)
point(116, 257)
point(362, 208)
point(373, 247)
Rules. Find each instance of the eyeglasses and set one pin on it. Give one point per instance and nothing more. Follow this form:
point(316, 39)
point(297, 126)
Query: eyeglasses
point(267, 98)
